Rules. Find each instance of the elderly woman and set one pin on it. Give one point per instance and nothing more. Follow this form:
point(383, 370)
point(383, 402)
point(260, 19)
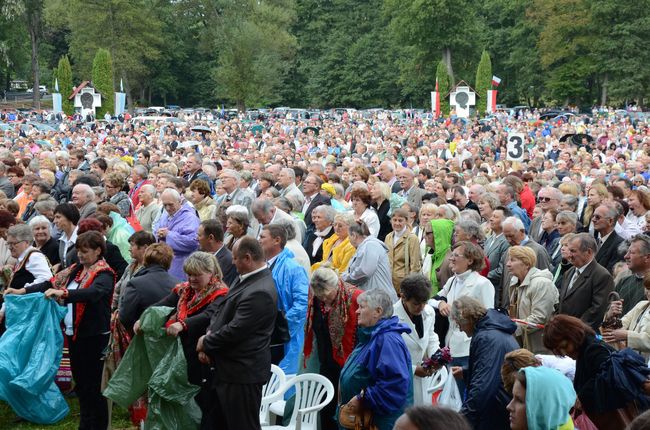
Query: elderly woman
point(361, 200)
point(203, 202)
point(566, 223)
point(564, 264)
point(377, 375)
point(85, 288)
point(369, 268)
point(190, 300)
point(380, 193)
point(465, 261)
point(43, 240)
point(467, 230)
point(337, 249)
point(403, 249)
point(533, 297)
point(323, 218)
point(635, 332)
point(113, 183)
point(330, 331)
point(542, 398)
point(487, 203)
point(414, 312)
point(569, 336)
point(491, 339)
point(639, 202)
point(237, 224)
point(550, 235)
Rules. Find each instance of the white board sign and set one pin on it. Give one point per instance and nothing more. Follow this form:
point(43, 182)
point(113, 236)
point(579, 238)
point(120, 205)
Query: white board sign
point(516, 146)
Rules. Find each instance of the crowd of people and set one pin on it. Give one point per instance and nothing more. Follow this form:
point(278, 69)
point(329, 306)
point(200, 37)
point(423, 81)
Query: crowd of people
point(353, 247)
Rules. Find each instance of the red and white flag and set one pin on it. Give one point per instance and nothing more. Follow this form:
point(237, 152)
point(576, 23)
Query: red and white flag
point(436, 102)
point(496, 80)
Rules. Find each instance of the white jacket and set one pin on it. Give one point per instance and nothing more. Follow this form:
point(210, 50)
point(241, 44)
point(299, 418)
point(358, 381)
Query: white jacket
point(418, 348)
point(471, 284)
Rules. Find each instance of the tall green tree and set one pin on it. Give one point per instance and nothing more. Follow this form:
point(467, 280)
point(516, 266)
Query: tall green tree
point(444, 87)
point(103, 81)
point(483, 81)
point(64, 74)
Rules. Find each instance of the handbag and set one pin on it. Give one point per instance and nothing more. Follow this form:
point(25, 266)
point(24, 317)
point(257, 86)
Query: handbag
point(356, 418)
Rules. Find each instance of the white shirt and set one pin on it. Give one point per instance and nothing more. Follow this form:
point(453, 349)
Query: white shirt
point(68, 242)
point(37, 265)
point(68, 320)
point(245, 276)
point(308, 200)
point(637, 223)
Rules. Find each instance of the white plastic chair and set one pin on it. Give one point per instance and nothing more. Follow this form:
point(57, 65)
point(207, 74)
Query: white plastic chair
point(277, 407)
point(313, 393)
point(275, 384)
point(437, 380)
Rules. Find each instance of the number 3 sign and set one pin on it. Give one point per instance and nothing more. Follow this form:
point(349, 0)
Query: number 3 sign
point(515, 150)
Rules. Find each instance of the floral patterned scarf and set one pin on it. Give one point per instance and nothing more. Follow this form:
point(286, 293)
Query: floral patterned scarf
point(190, 300)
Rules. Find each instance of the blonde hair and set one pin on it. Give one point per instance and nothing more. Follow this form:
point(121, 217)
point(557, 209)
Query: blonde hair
point(200, 263)
point(570, 188)
point(513, 362)
point(523, 254)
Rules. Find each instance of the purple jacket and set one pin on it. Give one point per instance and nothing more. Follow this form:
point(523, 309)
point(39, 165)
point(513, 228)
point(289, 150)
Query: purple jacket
point(182, 226)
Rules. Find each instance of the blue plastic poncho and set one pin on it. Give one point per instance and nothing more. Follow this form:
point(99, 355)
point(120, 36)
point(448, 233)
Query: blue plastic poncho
point(30, 353)
point(549, 398)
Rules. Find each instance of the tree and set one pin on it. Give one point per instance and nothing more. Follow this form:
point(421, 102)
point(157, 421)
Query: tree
point(483, 81)
point(64, 74)
point(103, 81)
point(444, 87)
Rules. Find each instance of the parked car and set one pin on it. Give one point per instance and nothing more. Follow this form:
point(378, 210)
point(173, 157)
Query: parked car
point(42, 89)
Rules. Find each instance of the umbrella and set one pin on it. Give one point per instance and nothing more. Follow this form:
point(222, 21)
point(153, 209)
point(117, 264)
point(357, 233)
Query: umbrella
point(316, 130)
point(43, 143)
point(577, 138)
point(567, 137)
point(201, 129)
point(257, 129)
point(188, 144)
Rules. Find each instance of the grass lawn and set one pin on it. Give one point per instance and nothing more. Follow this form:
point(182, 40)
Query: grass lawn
point(10, 421)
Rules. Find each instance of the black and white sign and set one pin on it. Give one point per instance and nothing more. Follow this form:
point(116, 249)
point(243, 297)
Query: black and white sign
point(516, 146)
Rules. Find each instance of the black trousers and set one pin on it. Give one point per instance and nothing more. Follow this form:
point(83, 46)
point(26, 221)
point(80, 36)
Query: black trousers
point(233, 407)
point(87, 365)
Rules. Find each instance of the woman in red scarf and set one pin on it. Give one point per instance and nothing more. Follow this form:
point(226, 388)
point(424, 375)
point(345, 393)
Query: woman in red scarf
point(86, 288)
point(330, 330)
point(190, 301)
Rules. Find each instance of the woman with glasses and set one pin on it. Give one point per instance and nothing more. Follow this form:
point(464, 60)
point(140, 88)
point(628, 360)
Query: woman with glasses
point(466, 260)
point(114, 182)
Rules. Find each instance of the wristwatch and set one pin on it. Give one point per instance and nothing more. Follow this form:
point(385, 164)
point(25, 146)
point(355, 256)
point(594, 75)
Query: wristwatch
point(362, 394)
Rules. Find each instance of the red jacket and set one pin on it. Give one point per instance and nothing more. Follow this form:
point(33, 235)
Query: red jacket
point(527, 200)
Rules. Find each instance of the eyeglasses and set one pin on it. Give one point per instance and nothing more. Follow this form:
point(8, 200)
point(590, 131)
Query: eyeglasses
point(15, 243)
point(600, 217)
point(544, 199)
point(454, 255)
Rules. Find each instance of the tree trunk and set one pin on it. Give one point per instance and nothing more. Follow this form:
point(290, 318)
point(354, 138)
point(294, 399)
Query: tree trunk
point(241, 105)
point(129, 96)
point(149, 90)
point(446, 58)
point(33, 20)
point(603, 94)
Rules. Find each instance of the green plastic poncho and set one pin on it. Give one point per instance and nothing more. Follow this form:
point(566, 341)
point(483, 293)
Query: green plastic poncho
point(155, 362)
point(442, 229)
point(119, 235)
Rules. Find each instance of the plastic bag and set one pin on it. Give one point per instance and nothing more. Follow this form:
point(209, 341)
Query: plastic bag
point(450, 395)
point(155, 362)
point(30, 353)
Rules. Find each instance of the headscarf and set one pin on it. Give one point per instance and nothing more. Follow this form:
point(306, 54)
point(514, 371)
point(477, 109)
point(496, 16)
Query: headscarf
point(442, 229)
point(549, 398)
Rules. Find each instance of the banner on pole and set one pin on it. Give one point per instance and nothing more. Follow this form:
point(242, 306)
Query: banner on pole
point(491, 101)
point(57, 105)
point(120, 103)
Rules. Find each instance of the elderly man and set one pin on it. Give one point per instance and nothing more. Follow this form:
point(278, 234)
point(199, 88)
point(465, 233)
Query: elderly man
point(266, 213)
point(586, 286)
point(287, 180)
point(461, 200)
point(193, 170)
point(149, 209)
point(637, 258)
point(475, 192)
point(210, 237)
point(177, 227)
point(604, 218)
point(292, 284)
point(231, 180)
point(410, 190)
point(83, 197)
point(548, 198)
point(387, 174)
point(139, 176)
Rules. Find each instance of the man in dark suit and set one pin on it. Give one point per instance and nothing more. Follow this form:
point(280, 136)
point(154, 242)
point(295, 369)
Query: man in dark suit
point(238, 342)
point(210, 237)
point(586, 285)
point(410, 188)
point(313, 198)
point(604, 219)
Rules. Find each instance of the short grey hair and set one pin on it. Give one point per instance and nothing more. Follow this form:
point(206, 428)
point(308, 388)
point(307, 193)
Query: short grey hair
point(586, 241)
point(21, 232)
point(87, 189)
point(570, 217)
point(376, 298)
point(172, 192)
point(262, 206)
point(141, 171)
point(38, 220)
point(345, 217)
point(571, 201)
point(491, 199)
point(645, 242)
point(237, 209)
point(45, 206)
point(323, 279)
point(515, 222)
point(472, 228)
point(232, 173)
point(470, 215)
point(467, 309)
point(327, 211)
point(148, 189)
point(289, 172)
point(289, 226)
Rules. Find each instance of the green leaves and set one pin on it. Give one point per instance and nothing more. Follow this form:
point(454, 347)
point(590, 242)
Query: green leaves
point(103, 81)
point(483, 82)
point(64, 74)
